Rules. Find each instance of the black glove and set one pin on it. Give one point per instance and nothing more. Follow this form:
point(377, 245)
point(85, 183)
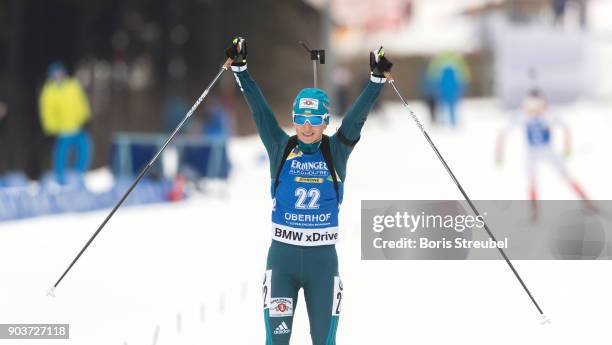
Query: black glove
point(379, 63)
point(237, 51)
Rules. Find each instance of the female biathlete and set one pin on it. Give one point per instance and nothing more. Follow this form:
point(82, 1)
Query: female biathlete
point(538, 123)
point(307, 171)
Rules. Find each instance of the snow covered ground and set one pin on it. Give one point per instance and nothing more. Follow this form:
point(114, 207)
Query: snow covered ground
point(194, 268)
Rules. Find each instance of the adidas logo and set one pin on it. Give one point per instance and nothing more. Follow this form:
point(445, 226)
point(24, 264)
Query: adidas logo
point(282, 329)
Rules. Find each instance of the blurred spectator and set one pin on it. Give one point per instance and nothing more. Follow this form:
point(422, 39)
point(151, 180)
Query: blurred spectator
point(218, 122)
point(342, 79)
point(451, 76)
point(559, 7)
point(428, 94)
point(64, 111)
point(583, 12)
point(206, 155)
point(175, 110)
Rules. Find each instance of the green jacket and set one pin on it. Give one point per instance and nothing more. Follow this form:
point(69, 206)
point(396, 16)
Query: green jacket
point(275, 139)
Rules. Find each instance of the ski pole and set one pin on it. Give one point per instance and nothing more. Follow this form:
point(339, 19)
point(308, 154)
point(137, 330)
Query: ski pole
point(469, 201)
point(224, 68)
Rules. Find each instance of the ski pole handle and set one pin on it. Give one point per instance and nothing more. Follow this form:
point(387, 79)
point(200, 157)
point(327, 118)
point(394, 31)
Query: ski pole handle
point(227, 64)
point(237, 43)
point(388, 76)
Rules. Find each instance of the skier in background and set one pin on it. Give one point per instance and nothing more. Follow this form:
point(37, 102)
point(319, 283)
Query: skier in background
point(307, 173)
point(64, 111)
point(538, 123)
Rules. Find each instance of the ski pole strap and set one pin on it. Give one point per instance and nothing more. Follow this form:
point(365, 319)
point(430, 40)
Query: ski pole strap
point(327, 156)
point(291, 144)
point(325, 150)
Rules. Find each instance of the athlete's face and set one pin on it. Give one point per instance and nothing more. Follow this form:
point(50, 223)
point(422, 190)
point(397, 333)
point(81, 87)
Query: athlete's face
point(308, 133)
point(534, 106)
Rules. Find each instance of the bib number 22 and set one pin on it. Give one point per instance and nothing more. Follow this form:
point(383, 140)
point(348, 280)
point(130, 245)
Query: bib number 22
point(312, 194)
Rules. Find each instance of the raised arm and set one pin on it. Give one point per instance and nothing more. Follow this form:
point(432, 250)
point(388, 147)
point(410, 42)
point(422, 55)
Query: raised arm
point(349, 133)
point(353, 121)
point(267, 125)
point(272, 136)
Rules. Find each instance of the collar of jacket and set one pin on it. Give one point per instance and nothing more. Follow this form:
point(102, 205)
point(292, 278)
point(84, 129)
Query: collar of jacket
point(309, 148)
